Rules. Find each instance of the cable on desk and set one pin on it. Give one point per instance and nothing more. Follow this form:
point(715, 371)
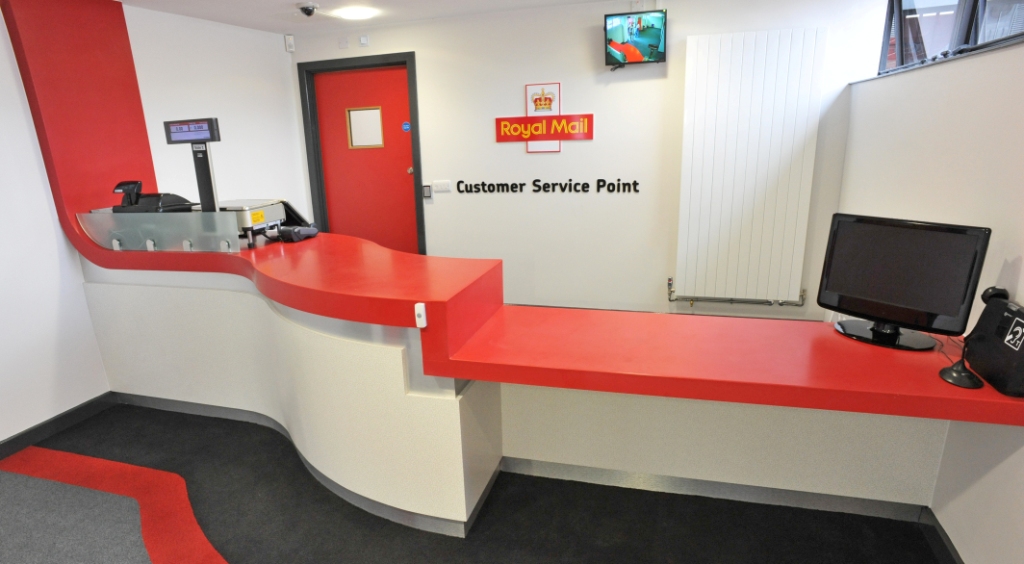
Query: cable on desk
point(942, 349)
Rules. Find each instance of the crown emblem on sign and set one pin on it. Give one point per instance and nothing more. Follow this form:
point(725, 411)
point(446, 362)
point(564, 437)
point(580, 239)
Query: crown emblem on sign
point(542, 101)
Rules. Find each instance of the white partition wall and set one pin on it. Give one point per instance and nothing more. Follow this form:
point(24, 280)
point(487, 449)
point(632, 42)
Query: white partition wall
point(749, 133)
point(855, 455)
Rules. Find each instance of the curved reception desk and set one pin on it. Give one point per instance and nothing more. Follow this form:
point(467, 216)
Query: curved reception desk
point(317, 340)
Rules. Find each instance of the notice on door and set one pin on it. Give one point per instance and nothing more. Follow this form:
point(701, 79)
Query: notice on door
point(365, 128)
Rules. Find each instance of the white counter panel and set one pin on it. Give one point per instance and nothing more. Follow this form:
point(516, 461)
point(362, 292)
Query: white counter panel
point(346, 401)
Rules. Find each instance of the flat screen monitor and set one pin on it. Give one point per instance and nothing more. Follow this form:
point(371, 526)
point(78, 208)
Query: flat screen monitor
point(634, 37)
point(901, 274)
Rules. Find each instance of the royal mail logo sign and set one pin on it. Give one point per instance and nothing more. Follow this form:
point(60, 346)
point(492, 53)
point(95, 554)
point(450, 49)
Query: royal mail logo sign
point(544, 127)
point(535, 129)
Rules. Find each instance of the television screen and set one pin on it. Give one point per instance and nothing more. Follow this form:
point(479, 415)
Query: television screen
point(911, 274)
point(636, 37)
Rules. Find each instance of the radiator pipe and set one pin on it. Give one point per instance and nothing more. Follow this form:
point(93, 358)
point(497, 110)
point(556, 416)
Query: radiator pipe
point(672, 297)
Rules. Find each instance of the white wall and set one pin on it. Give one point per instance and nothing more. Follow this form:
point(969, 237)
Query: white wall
point(945, 144)
point(606, 251)
point(49, 359)
point(191, 68)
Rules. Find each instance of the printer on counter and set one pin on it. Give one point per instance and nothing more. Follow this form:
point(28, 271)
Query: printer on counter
point(134, 201)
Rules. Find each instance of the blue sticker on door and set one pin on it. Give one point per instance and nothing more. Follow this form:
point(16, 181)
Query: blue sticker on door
point(405, 126)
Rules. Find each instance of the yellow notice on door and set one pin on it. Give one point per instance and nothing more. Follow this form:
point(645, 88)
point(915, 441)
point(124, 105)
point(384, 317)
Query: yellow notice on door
point(257, 217)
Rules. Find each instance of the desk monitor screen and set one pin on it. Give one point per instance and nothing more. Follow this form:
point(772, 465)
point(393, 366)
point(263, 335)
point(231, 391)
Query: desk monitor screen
point(191, 130)
point(899, 273)
point(636, 37)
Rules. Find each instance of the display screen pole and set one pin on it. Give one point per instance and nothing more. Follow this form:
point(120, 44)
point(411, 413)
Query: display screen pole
point(204, 176)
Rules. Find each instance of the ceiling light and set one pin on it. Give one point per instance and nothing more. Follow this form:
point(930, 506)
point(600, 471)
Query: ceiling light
point(355, 12)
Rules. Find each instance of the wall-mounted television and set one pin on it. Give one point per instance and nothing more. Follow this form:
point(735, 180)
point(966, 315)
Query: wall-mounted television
point(634, 37)
point(897, 274)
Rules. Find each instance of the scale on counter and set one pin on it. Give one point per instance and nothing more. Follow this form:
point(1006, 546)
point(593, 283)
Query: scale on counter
point(168, 222)
point(255, 217)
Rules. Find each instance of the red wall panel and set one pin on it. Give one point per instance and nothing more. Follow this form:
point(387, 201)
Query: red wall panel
point(76, 62)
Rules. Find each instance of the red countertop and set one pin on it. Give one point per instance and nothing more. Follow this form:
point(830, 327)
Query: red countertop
point(349, 278)
point(763, 361)
point(76, 63)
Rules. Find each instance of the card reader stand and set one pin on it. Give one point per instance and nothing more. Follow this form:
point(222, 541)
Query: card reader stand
point(204, 177)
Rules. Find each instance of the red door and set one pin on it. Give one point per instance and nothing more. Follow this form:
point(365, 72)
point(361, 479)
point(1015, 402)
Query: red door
point(369, 187)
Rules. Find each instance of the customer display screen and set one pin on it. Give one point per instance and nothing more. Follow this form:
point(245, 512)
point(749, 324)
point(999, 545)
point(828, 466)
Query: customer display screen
point(189, 131)
point(918, 269)
point(637, 37)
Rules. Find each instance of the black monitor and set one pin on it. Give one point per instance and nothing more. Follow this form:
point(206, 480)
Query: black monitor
point(901, 274)
point(634, 37)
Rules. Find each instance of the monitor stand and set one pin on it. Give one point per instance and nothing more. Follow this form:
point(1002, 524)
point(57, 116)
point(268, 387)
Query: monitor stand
point(886, 335)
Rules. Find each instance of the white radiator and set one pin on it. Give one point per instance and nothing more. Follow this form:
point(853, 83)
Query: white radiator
point(752, 103)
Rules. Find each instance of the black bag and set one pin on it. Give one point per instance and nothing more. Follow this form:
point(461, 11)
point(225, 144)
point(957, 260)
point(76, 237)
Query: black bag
point(994, 348)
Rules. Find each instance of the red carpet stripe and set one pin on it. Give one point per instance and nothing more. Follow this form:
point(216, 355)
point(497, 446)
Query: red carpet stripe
point(169, 527)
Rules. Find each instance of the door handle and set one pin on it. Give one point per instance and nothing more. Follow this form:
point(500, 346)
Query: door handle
point(410, 170)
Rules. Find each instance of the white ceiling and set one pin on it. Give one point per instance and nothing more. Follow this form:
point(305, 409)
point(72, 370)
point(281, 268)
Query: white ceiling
point(283, 16)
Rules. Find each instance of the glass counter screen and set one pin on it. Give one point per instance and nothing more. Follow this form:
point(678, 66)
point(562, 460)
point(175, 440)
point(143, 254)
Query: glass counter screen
point(190, 131)
point(637, 37)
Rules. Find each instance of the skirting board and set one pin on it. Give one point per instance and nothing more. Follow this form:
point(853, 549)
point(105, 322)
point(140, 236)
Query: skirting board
point(937, 538)
point(719, 490)
point(667, 484)
point(56, 424)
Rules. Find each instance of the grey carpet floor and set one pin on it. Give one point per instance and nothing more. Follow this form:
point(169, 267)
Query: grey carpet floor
point(258, 504)
point(44, 522)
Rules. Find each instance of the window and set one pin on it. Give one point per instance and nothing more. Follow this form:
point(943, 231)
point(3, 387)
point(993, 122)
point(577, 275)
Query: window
point(999, 18)
point(927, 28)
point(922, 31)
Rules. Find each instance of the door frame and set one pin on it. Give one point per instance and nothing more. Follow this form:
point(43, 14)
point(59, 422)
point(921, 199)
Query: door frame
point(311, 126)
